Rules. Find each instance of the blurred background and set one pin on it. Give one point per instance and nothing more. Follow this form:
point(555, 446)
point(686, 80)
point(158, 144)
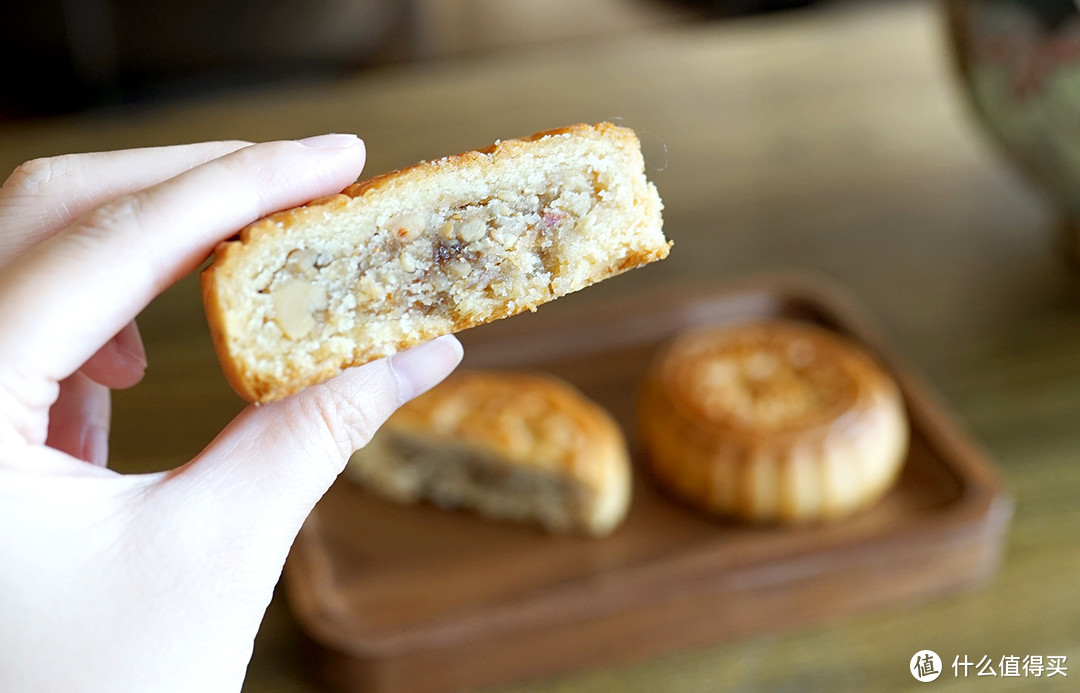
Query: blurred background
point(89, 53)
point(920, 154)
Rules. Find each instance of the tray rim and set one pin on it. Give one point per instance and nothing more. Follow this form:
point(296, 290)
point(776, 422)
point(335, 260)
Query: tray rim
point(984, 507)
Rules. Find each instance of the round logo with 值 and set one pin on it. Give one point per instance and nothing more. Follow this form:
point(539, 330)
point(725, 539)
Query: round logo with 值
point(925, 666)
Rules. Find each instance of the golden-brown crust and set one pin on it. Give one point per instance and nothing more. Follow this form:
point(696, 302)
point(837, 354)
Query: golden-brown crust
point(504, 147)
point(279, 222)
point(772, 421)
point(230, 258)
point(215, 318)
point(524, 426)
point(529, 419)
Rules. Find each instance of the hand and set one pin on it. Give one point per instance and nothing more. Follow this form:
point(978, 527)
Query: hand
point(153, 582)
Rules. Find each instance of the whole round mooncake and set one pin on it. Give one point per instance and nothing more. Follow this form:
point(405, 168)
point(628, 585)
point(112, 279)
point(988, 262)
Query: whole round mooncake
point(772, 421)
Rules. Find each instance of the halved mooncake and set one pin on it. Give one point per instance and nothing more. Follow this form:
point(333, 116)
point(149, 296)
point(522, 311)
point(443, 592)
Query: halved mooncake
point(426, 251)
point(509, 445)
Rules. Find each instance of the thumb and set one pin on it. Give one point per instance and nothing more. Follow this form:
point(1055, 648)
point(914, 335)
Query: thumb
point(268, 468)
point(213, 535)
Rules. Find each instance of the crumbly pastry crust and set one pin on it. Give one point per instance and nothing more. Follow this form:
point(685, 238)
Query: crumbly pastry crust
point(511, 445)
point(773, 421)
point(428, 250)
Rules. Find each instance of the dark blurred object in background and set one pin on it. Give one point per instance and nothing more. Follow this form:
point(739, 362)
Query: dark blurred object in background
point(1020, 62)
point(727, 8)
point(69, 54)
point(65, 55)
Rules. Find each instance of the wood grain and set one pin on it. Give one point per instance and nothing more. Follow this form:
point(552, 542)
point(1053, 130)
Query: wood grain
point(415, 599)
point(833, 141)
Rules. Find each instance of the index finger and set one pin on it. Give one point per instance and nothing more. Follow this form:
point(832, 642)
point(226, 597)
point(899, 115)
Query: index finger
point(42, 196)
point(61, 300)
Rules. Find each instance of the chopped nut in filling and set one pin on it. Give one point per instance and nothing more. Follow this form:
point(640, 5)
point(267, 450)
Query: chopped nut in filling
point(407, 469)
point(461, 263)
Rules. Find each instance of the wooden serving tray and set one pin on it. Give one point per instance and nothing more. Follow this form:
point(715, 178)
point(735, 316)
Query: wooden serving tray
point(414, 598)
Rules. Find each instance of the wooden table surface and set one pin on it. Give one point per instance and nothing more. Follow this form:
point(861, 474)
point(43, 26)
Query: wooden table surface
point(832, 141)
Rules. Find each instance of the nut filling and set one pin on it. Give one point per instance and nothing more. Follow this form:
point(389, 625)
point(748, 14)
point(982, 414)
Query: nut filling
point(407, 470)
point(470, 262)
point(428, 250)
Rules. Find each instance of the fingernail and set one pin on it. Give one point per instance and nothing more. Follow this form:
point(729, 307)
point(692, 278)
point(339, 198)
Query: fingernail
point(95, 446)
point(129, 344)
point(332, 141)
point(421, 368)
